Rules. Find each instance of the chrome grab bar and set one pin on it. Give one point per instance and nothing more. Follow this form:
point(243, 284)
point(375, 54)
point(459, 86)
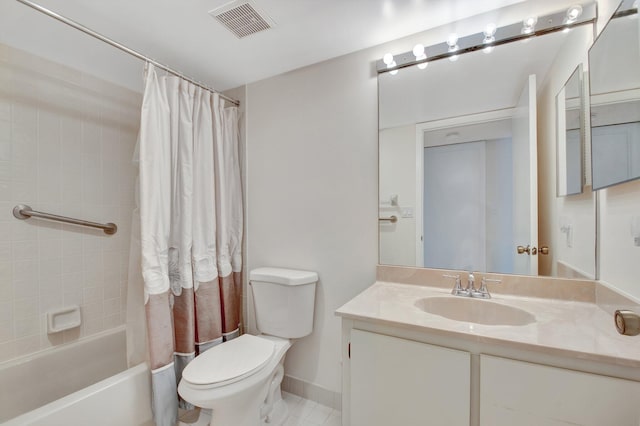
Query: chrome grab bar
point(22, 212)
point(392, 219)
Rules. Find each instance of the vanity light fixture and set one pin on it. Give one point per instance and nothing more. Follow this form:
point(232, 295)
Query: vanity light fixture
point(529, 25)
point(489, 38)
point(418, 52)
point(573, 13)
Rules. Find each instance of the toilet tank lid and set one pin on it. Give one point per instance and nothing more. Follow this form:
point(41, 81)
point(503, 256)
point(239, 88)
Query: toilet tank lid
point(283, 276)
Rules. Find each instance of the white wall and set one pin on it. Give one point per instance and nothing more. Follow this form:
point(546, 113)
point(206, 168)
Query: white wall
point(397, 172)
point(66, 143)
point(312, 162)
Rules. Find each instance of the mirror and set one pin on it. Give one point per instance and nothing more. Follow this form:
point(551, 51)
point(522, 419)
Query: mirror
point(458, 174)
point(614, 63)
point(570, 137)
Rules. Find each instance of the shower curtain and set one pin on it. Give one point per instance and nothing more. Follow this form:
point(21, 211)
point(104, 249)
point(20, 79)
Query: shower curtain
point(190, 205)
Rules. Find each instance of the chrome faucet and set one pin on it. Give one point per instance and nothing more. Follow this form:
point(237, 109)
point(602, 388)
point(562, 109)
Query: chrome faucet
point(470, 290)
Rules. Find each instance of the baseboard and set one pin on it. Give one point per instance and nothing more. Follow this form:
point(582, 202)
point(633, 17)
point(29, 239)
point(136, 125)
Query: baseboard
point(312, 392)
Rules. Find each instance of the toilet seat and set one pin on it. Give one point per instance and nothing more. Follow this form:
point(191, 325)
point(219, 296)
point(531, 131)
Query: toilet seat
point(229, 362)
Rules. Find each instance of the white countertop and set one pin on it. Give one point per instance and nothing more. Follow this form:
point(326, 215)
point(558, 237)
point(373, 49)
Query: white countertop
point(563, 328)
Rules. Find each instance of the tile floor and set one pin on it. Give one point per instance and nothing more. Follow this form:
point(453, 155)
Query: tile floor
point(303, 412)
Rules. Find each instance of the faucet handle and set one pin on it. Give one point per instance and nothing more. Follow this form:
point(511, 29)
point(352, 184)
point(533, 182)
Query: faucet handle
point(457, 288)
point(483, 292)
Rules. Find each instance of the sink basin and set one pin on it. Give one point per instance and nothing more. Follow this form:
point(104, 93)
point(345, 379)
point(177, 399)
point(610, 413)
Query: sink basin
point(475, 311)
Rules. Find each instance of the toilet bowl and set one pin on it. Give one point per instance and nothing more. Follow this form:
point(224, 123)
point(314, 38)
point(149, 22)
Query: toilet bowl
point(247, 393)
point(239, 380)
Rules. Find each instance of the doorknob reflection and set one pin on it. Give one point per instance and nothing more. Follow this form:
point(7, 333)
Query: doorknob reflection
point(532, 251)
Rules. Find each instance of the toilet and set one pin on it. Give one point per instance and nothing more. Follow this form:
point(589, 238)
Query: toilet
point(239, 380)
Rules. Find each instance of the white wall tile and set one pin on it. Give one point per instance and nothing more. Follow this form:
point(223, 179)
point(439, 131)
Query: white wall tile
point(66, 151)
point(25, 308)
point(27, 326)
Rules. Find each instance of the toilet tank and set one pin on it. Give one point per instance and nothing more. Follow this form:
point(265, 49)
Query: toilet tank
point(284, 300)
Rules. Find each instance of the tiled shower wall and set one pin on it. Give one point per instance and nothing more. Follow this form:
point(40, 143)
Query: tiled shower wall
point(66, 147)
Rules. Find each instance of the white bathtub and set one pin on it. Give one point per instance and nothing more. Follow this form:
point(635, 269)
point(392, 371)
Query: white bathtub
point(82, 383)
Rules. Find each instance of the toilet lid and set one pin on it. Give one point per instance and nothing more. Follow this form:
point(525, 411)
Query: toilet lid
point(235, 359)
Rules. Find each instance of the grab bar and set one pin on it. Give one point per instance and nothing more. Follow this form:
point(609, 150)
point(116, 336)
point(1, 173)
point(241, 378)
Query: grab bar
point(22, 212)
point(392, 219)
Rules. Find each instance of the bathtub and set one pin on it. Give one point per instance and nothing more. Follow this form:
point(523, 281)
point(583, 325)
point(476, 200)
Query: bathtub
point(81, 383)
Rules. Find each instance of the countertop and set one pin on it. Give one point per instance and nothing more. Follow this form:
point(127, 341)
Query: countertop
point(563, 327)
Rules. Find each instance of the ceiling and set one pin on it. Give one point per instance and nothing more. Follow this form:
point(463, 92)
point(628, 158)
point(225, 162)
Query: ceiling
point(184, 36)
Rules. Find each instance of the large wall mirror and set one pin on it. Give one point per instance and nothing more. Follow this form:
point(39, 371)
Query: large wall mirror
point(458, 164)
point(614, 63)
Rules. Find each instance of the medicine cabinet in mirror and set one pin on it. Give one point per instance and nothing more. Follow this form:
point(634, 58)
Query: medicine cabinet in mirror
point(570, 136)
point(614, 70)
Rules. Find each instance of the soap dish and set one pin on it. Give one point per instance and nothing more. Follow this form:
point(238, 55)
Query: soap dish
point(63, 319)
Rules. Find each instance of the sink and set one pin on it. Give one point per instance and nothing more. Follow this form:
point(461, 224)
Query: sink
point(474, 310)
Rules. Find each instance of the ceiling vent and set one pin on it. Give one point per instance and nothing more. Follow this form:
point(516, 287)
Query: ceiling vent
point(242, 18)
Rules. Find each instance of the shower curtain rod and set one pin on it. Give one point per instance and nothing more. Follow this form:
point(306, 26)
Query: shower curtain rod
point(117, 45)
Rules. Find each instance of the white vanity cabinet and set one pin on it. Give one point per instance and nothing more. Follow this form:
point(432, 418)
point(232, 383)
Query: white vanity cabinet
point(525, 394)
point(408, 380)
point(402, 382)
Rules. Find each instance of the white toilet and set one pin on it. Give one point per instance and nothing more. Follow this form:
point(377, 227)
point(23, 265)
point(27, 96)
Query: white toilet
point(240, 379)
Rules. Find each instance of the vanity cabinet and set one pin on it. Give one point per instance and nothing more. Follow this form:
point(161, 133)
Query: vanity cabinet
point(521, 393)
point(402, 382)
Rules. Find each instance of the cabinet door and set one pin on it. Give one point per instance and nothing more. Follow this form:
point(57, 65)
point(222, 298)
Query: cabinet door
point(401, 382)
point(525, 394)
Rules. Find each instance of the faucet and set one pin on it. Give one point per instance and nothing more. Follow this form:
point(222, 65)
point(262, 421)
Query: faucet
point(470, 290)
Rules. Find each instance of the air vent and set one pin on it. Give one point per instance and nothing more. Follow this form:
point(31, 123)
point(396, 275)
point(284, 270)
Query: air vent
point(242, 19)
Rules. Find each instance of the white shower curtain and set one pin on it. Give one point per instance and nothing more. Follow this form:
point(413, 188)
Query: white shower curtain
point(190, 228)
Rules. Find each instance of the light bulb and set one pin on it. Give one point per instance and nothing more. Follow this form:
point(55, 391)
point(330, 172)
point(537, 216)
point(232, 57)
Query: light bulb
point(418, 51)
point(452, 41)
point(529, 24)
point(488, 49)
point(391, 65)
point(453, 58)
point(423, 65)
point(490, 30)
point(489, 33)
point(574, 13)
point(387, 58)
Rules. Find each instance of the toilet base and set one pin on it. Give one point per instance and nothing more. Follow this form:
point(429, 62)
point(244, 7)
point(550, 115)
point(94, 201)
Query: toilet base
point(278, 415)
